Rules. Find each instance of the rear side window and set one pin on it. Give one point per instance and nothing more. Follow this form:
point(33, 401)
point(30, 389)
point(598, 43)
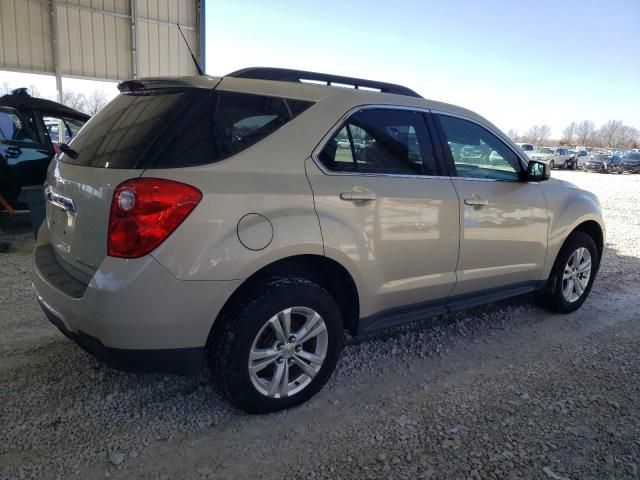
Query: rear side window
point(381, 141)
point(180, 128)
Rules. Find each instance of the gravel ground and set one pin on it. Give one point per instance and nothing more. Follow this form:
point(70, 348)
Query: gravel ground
point(503, 391)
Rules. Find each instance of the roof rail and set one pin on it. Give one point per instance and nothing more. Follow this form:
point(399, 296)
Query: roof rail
point(300, 76)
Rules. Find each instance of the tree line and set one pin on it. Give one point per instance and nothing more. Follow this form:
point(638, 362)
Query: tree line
point(611, 134)
point(90, 103)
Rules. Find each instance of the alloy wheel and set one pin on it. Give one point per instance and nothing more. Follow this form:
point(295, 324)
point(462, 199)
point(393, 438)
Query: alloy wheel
point(577, 273)
point(288, 352)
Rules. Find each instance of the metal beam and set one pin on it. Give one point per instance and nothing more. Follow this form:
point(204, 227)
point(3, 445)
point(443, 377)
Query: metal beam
point(200, 31)
point(134, 39)
point(166, 24)
point(56, 49)
point(52, 74)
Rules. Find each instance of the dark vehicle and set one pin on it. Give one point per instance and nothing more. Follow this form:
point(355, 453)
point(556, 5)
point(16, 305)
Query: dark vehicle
point(573, 161)
point(31, 131)
point(603, 164)
point(631, 162)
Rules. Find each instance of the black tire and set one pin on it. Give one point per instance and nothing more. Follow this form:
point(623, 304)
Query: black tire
point(239, 327)
point(551, 164)
point(553, 298)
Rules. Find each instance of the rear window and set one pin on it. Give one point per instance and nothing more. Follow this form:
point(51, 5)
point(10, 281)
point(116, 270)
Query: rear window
point(180, 128)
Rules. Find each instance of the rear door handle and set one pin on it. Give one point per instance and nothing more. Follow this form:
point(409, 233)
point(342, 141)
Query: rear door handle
point(476, 201)
point(359, 195)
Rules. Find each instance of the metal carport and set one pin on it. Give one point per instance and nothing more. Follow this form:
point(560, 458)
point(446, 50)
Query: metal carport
point(100, 39)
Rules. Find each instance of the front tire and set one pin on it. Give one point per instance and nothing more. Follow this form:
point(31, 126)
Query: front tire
point(279, 348)
point(551, 164)
point(573, 274)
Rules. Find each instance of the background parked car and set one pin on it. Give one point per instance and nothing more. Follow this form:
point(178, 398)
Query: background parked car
point(581, 157)
point(31, 130)
point(555, 157)
point(631, 162)
point(527, 148)
point(603, 164)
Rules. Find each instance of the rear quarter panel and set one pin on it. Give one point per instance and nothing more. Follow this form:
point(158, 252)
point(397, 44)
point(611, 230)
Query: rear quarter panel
point(267, 178)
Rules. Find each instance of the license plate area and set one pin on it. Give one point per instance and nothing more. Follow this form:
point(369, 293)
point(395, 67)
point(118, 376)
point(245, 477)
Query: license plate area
point(61, 220)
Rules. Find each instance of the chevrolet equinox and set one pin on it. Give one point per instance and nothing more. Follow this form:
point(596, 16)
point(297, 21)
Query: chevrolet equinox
point(246, 222)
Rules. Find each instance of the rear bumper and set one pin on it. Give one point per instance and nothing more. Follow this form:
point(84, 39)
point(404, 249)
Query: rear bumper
point(181, 361)
point(134, 314)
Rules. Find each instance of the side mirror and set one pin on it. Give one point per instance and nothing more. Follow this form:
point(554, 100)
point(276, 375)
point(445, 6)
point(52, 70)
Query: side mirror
point(537, 171)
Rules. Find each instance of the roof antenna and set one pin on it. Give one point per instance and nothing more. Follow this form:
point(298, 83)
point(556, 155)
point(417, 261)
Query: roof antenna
point(198, 67)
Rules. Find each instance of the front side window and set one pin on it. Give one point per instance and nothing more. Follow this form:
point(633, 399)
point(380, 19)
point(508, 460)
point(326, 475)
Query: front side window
point(17, 126)
point(477, 153)
point(381, 141)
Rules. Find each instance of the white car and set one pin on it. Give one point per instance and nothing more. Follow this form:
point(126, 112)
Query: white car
point(553, 156)
point(526, 148)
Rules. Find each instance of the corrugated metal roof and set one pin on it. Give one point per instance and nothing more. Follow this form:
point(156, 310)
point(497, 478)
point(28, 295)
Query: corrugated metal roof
point(95, 37)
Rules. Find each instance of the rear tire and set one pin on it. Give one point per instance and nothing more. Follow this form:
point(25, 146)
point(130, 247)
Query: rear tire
point(573, 274)
point(256, 356)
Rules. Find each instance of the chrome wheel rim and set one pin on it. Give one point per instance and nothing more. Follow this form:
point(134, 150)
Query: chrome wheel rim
point(288, 352)
point(577, 273)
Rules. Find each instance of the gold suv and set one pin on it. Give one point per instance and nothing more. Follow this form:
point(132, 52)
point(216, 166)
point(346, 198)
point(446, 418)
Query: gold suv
point(245, 222)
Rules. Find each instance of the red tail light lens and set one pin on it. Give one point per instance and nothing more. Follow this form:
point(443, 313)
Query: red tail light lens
point(144, 212)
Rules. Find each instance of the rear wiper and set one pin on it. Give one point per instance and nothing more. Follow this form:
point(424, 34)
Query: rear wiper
point(68, 150)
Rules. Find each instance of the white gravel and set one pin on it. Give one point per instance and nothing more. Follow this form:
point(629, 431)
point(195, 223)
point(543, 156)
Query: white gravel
point(503, 391)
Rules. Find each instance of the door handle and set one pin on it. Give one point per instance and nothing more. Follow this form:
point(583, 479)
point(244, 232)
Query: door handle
point(360, 195)
point(476, 201)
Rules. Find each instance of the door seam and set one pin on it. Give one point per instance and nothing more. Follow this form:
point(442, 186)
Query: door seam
point(315, 209)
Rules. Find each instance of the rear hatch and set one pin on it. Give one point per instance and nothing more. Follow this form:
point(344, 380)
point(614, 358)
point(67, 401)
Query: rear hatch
point(117, 144)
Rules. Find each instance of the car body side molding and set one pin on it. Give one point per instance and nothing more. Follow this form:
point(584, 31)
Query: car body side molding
point(406, 314)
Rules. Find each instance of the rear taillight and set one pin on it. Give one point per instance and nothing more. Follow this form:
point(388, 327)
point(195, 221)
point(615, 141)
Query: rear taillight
point(144, 212)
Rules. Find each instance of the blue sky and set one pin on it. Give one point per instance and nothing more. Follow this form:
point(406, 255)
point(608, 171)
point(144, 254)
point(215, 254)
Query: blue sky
point(516, 62)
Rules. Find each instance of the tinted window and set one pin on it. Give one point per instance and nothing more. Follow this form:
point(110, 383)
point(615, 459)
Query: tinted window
point(179, 128)
point(17, 126)
point(477, 153)
point(381, 141)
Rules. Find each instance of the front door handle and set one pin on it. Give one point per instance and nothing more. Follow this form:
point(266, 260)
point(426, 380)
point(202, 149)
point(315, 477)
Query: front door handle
point(476, 201)
point(358, 195)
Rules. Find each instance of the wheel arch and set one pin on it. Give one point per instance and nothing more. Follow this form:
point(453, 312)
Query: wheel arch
point(590, 227)
point(594, 230)
point(327, 273)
